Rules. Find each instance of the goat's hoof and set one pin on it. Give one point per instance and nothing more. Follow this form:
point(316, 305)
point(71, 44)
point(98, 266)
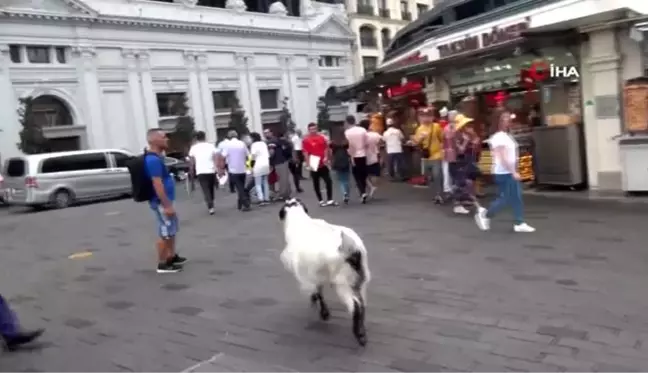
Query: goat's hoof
point(362, 339)
point(325, 315)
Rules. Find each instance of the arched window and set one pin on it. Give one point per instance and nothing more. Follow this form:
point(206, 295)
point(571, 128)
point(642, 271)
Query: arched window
point(385, 35)
point(368, 36)
point(51, 111)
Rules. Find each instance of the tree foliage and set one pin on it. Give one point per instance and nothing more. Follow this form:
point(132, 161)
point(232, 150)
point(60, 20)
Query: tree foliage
point(238, 119)
point(185, 127)
point(286, 123)
point(323, 116)
point(32, 139)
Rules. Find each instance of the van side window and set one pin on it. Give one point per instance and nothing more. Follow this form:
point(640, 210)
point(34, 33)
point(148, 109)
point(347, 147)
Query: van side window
point(78, 162)
point(16, 167)
point(120, 159)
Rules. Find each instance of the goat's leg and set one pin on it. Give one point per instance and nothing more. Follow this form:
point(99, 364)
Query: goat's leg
point(355, 305)
point(317, 299)
point(359, 329)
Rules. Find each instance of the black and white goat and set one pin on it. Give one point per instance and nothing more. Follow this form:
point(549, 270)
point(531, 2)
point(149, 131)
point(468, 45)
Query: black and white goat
point(318, 253)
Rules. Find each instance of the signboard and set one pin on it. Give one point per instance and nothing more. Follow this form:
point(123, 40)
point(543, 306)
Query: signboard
point(404, 89)
point(496, 36)
point(412, 59)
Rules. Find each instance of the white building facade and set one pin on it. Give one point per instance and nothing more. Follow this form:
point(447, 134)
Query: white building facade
point(102, 72)
point(375, 22)
point(609, 55)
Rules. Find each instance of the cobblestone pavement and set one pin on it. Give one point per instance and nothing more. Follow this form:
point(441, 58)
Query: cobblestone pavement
point(444, 296)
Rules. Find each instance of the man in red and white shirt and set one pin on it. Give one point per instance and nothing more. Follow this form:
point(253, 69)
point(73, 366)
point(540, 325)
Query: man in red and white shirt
point(315, 149)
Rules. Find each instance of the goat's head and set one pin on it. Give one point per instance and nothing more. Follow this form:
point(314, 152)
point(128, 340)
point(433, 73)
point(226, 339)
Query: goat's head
point(293, 204)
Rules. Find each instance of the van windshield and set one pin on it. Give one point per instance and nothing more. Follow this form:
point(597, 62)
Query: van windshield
point(15, 167)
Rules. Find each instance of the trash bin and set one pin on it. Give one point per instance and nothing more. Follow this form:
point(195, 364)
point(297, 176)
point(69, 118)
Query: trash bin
point(634, 153)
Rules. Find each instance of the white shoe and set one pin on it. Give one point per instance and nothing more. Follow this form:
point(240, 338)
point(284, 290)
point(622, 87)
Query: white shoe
point(523, 228)
point(483, 222)
point(460, 210)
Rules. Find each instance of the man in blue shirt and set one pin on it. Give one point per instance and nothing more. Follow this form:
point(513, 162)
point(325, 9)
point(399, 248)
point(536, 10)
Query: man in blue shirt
point(162, 202)
point(281, 152)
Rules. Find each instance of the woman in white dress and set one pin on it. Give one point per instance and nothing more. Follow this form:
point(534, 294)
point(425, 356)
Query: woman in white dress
point(261, 167)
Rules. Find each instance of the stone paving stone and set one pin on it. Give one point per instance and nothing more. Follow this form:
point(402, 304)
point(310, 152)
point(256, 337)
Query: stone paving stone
point(444, 297)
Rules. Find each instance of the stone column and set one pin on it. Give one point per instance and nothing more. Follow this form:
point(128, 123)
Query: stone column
point(195, 96)
point(288, 85)
point(600, 82)
point(250, 91)
point(347, 64)
point(147, 91)
point(9, 121)
point(315, 86)
point(206, 96)
point(87, 68)
point(135, 92)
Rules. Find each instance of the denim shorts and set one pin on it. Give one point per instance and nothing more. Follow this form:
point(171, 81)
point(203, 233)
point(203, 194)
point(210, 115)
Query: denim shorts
point(167, 226)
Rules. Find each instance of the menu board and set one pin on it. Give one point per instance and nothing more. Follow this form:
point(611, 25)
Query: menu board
point(636, 107)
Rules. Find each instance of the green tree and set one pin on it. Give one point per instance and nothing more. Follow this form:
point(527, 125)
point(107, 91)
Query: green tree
point(185, 127)
point(32, 139)
point(238, 119)
point(286, 122)
point(323, 116)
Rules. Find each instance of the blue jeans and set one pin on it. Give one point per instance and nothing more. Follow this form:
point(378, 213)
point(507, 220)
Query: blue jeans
point(262, 187)
point(509, 192)
point(343, 180)
point(396, 164)
point(8, 322)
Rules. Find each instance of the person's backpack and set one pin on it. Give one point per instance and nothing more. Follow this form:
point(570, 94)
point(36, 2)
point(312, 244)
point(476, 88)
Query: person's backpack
point(141, 184)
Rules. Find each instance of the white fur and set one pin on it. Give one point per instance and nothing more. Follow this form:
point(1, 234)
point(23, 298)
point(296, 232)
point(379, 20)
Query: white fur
point(312, 255)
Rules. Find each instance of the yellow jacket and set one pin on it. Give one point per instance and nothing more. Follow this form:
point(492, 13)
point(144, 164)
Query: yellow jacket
point(430, 138)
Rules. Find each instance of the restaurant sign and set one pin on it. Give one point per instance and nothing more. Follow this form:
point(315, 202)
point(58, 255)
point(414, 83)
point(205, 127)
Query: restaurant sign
point(496, 36)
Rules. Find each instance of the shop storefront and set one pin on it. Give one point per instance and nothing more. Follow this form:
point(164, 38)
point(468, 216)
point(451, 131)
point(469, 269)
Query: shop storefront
point(560, 75)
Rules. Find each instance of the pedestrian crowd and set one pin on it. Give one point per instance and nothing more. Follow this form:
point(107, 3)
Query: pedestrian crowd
point(269, 165)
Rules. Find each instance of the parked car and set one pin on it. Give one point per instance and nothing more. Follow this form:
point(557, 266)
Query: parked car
point(64, 178)
point(178, 165)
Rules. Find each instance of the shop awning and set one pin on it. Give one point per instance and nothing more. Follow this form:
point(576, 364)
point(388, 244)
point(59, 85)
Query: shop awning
point(527, 41)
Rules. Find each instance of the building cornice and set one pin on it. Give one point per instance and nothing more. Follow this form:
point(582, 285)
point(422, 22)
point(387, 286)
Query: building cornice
point(152, 23)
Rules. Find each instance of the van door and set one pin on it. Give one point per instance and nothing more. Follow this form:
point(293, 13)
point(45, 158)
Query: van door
point(120, 176)
point(87, 175)
point(14, 173)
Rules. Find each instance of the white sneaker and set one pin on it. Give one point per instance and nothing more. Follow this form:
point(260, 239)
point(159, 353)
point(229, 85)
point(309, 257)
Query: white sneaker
point(523, 228)
point(483, 222)
point(460, 210)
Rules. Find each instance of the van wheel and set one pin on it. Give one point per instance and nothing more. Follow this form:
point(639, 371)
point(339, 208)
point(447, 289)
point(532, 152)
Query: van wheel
point(62, 199)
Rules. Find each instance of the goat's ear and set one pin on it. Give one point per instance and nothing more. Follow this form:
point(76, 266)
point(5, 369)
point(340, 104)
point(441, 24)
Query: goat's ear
point(282, 213)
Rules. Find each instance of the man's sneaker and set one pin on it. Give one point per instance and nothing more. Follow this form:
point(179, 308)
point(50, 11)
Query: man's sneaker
point(483, 222)
point(322, 203)
point(331, 203)
point(459, 209)
point(523, 228)
point(211, 211)
point(346, 199)
point(21, 338)
point(180, 260)
point(363, 198)
point(168, 268)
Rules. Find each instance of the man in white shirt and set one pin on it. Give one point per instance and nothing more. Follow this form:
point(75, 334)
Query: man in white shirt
point(356, 136)
point(393, 139)
point(298, 165)
point(235, 154)
point(221, 145)
point(204, 158)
